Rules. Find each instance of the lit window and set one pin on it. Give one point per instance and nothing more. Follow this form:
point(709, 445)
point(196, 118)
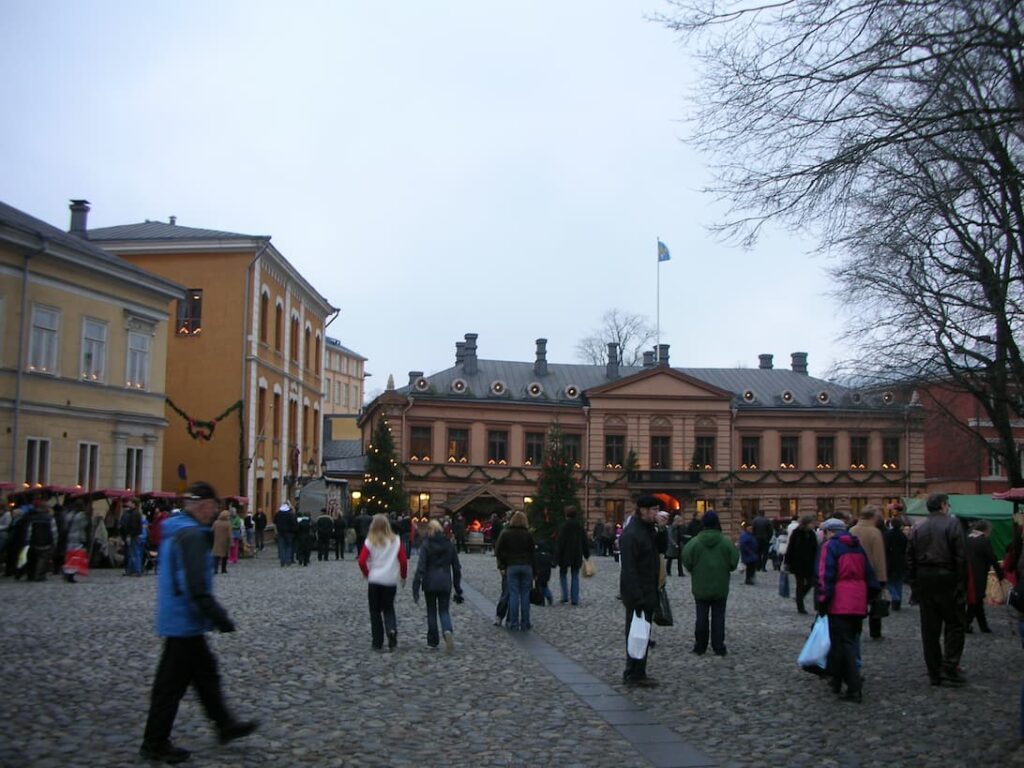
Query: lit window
point(42, 354)
point(190, 313)
point(750, 450)
point(534, 449)
point(614, 451)
point(94, 350)
point(826, 452)
point(137, 375)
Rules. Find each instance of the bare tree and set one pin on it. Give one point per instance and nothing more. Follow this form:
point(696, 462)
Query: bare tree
point(893, 130)
point(632, 333)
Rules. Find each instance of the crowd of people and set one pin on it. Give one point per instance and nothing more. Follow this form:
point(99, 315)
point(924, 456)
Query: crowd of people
point(851, 569)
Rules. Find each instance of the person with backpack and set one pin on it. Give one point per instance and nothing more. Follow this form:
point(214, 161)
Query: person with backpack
point(186, 611)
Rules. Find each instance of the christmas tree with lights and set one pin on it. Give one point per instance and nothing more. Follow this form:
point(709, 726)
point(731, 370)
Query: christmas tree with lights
point(382, 482)
point(556, 488)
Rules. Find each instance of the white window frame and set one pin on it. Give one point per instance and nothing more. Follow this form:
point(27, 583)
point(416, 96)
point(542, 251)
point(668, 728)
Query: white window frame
point(136, 375)
point(37, 458)
point(995, 463)
point(89, 465)
point(134, 462)
point(94, 371)
point(44, 344)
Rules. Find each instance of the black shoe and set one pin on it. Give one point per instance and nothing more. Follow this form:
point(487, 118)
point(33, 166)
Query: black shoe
point(835, 685)
point(640, 682)
point(722, 652)
point(953, 677)
point(986, 630)
point(969, 629)
point(164, 753)
point(698, 652)
point(236, 729)
point(877, 637)
point(854, 696)
point(935, 680)
point(392, 640)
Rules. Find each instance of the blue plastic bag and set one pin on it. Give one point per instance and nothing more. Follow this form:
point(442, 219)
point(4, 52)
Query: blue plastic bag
point(815, 650)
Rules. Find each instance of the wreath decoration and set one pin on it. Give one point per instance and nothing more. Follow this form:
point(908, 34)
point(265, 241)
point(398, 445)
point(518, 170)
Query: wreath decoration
point(199, 429)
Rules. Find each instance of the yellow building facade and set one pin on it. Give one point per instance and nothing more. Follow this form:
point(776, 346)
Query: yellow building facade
point(82, 362)
point(244, 359)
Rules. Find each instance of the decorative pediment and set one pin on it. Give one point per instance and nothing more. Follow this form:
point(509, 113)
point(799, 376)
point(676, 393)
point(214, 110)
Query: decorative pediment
point(659, 382)
point(660, 422)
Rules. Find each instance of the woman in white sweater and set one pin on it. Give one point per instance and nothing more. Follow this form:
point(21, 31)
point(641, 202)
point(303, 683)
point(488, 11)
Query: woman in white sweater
point(382, 562)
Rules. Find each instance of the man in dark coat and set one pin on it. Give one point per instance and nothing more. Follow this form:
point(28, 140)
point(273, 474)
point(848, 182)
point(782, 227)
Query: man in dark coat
point(937, 572)
point(260, 523)
point(459, 532)
point(895, 560)
point(284, 523)
point(571, 550)
point(980, 558)
point(324, 532)
point(638, 579)
point(801, 557)
point(303, 538)
point(362, 521)
point(340, 525)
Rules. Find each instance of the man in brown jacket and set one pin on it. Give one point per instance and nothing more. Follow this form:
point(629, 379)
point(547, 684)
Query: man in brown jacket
point(871, 539)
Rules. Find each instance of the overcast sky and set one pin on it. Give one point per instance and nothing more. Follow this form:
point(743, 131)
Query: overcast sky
point(432, 168)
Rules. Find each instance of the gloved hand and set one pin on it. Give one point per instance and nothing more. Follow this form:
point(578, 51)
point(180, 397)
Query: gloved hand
point(822, 609)
point(459, 599)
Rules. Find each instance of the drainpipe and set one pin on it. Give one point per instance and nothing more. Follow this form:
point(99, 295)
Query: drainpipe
point(244, 466)
point(20, 369)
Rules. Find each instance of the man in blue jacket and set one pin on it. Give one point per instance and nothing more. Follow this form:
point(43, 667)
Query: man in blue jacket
point(185, 611)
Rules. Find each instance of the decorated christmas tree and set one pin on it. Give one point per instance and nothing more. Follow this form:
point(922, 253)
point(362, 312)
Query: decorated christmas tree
point(556, 488)
point(382, 482)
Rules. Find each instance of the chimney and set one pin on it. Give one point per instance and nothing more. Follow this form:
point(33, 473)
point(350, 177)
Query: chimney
point(460, 352)
point(540, 365)
point(663, 354)
point(413, 376)
point(649, 359)
point(612, 368)
point(766, 362)
point(79, 218)
point(800, 362)
point(172, 220)
point(469, 366)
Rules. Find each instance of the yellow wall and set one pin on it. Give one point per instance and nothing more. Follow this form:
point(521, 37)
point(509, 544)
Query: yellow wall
point(60, 406)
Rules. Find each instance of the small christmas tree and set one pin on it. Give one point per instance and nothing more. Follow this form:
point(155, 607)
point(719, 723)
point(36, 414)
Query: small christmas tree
point(382, 482)
point(556, 488)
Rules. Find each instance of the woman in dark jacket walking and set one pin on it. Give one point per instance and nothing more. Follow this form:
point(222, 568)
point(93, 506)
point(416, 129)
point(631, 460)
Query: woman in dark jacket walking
point(571, 550)
point(895, 560)
point(437, 572)
point(800, 559)
point(514, 552)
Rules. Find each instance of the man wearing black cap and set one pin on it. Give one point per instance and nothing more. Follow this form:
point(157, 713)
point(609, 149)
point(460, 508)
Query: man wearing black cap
point(638, 579)
point(186, 611)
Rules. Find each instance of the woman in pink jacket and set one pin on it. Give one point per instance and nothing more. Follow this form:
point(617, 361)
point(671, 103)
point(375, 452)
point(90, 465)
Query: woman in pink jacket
point(846, 581)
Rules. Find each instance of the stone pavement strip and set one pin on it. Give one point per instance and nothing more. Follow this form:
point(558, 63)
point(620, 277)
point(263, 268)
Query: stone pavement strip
point(78, 661)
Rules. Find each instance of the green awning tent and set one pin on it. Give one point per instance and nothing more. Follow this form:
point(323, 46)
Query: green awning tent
point(967, 507)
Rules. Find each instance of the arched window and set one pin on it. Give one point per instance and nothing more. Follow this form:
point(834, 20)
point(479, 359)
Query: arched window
point(317, 358)
point(264, 320)
point(295, 338)
point(306, 348)
point(279, 327)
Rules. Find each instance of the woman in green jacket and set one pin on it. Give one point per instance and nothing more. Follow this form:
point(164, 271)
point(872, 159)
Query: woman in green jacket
point(710, 558)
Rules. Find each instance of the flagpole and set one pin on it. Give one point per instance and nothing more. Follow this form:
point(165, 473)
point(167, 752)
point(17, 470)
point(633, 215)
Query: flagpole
point(657, 331)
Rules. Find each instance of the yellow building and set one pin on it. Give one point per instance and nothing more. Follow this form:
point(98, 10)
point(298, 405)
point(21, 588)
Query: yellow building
point(738, 440)
point(244, 359)
point(82, 362)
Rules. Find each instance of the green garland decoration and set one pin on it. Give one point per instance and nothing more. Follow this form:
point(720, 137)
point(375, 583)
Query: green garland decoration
point(199, 429)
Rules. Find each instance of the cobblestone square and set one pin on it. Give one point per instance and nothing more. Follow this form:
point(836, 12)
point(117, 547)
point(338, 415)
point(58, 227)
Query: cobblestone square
point(78, 662)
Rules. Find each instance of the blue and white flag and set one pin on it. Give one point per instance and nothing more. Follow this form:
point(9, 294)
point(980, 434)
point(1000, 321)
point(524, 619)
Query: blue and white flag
point(663, 254)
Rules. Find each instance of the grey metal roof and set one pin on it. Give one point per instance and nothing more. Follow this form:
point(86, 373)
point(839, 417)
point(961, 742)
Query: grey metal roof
point(162, 230)
point(335, 344)
point(12, 217)
point(342, 449)
point(750, 387)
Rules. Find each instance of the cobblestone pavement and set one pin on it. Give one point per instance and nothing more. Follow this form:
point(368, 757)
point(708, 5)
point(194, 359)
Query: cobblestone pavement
point(78, 661)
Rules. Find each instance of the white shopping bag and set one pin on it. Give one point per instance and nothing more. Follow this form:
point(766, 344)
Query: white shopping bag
point(815, 650)
point(639, 636)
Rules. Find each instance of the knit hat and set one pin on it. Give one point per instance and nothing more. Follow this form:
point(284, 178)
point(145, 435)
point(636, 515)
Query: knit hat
point(834, 524)
point(648, 502)
point(710, 520)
